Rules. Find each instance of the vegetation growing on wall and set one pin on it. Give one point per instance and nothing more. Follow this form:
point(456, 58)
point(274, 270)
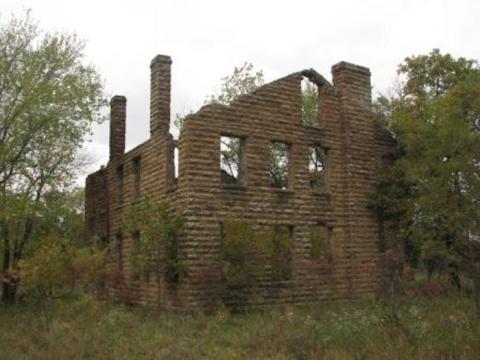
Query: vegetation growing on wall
point(249, 255)
point(243, 259)
point(320, 243)
point(281, 252)
point(156, 248)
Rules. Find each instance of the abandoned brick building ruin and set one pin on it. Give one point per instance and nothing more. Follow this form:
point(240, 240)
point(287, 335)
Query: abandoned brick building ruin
point(330, 170)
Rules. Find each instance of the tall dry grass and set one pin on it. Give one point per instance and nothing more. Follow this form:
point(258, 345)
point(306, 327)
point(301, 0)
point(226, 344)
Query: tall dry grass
point(80, 327)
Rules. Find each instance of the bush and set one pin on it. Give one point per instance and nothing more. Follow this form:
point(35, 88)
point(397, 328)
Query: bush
point(57, 266)
point(243, 259)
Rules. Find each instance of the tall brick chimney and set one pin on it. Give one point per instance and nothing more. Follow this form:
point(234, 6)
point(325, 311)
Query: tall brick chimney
point(359, 150)
point(354, 83)
point(160, 78)
point(118, 109)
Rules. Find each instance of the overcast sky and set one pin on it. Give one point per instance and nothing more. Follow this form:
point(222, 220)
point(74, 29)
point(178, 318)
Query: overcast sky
point(207, 38)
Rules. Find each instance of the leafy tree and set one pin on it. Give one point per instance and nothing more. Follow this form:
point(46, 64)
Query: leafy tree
point(48, 100)
point(58, 266)
point(243, 80)
point(57, 259)
point(431, 194)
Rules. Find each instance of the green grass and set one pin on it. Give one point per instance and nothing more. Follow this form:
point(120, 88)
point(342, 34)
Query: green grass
point(83, 328)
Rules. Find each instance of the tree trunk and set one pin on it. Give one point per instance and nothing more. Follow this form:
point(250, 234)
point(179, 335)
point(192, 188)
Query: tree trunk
point(10, 261)
point(474, 270)
point(9, 292)
point(18, 248)
point(476, 297)
point(6, 291)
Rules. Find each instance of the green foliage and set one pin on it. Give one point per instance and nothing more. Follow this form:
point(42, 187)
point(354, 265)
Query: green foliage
point(309, 103)
point(247, 253)
point(319, 248)
point(281, 253)
point(58, 266)
point(45, 262)
point(90, 266)
point(243, 80)
point(48, 270)
point(434, 184)
point(49, 100)
point(316, 166)
point(243, 257)
point(180, 119)
point(63, 214)
point(435, 74)
point(279, 164)
point(431, 194)
point(156, 249)
point(231, 158)
point(434, 254)
point(84, 328)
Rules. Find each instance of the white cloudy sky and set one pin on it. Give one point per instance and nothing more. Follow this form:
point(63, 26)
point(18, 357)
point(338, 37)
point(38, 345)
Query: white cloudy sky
point(207, 38)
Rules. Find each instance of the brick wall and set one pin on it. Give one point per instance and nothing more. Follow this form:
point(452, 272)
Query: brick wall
point(355, 148)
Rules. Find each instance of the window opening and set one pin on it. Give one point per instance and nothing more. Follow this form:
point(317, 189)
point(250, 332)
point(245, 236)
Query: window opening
point(316, 165)
point(309, 102)
point(231, 149)
point(279, 165)
point(320, 242)
point(282, 252)
point(176, 155)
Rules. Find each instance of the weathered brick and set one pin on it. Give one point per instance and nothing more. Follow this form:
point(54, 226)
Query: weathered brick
point(356, 148)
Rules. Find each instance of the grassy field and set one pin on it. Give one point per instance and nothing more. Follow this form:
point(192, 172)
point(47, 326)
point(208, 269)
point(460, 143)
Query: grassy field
point(80, 327)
